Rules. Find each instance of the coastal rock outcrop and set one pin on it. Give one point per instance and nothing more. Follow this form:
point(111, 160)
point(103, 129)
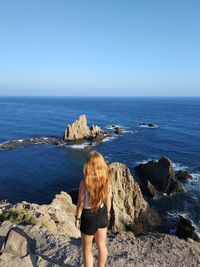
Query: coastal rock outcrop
point(129, 210)
point(161, 175)
point(79, 130)
point(18, 247)
point(36, 140)
point(183, 176)
point(57, 217)
point(186, 230)
point(118, 130)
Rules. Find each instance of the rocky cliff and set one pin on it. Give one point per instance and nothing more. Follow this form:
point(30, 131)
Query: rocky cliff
point(129, 209)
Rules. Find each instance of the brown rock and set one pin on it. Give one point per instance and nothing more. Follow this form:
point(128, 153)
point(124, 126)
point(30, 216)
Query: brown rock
point(129, 209)
point(95, 130)
point(18, 243)
point(77, 130)
point(118, 130)
point(57, 217)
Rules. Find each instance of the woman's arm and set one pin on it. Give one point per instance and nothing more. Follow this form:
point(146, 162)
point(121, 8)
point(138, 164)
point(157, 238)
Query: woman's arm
point(80, 203)
point(108, 199)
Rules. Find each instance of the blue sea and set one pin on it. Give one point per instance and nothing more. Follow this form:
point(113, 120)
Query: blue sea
point(37, 172)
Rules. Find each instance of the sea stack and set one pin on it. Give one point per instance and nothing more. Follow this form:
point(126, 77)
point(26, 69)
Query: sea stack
point(79, 130)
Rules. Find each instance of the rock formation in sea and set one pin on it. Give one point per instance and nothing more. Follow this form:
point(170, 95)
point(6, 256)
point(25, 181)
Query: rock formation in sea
point(186, 229)
point(161, 175)
point(148, 125)
point(36, 140)
point(118, 130)
point(79, 130)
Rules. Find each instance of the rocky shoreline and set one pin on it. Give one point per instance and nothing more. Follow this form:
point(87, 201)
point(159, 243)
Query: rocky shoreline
point(75, 133)
point(45, 235)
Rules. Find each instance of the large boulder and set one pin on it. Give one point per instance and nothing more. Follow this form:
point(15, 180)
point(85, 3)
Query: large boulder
point(79, 130)
point(186, 230)
point(19, 248)
point(129, 210)
point(18, 243)
point(160, 174)
point(57, 217)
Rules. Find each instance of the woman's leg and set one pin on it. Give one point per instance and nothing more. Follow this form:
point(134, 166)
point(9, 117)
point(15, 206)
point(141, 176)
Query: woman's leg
point(100, 239)
point(87, 249)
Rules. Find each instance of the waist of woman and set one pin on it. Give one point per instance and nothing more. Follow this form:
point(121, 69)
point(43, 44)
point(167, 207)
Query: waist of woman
point(89, 208)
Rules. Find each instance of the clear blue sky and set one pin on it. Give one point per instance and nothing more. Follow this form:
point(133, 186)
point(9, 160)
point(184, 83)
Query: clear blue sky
point(107, 47)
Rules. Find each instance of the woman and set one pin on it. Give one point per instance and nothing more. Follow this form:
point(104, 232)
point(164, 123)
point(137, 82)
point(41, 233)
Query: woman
point(93, 207)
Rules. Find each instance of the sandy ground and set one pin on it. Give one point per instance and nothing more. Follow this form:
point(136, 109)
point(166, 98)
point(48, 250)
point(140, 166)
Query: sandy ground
point(152, 250)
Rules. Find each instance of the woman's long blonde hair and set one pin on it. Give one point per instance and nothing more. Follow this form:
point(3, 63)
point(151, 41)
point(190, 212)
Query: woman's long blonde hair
point(97, 175)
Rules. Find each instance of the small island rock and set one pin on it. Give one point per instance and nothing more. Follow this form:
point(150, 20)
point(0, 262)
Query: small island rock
point(79, 130)
point(160, 174)
point(118, 130)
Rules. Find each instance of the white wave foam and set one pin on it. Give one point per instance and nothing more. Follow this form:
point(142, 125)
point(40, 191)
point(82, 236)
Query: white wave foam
point(111, 127)
point(109, 138)
point(60, 145)
point(178, 166)
point(79, 146)
point(147, 126)
point(126, 131)
point(143, 161)
point(195, 176)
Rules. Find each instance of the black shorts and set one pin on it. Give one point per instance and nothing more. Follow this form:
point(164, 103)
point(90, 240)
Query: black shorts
point(91, 221)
